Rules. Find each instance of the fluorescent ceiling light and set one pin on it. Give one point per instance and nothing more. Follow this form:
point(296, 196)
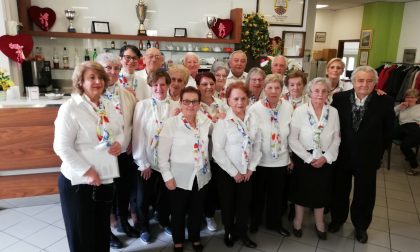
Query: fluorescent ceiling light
point(320, 6)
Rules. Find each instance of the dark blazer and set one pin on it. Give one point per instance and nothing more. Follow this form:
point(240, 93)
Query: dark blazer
point(365, 147)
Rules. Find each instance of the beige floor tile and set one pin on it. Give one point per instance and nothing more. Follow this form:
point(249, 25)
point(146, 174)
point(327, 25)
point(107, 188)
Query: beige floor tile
point(379, 211)
point(380, 224)
point(378, 238)
point(381, 201)
point(405, 229)
point(337, 243)
point(402, 205)
point(401, 216)
point(359, 247)
point(400, 195)
point(266, 241)
point(398, 186)
point(402, 243)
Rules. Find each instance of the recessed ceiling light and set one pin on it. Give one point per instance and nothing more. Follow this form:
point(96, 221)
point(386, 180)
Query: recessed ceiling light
point(320, 6)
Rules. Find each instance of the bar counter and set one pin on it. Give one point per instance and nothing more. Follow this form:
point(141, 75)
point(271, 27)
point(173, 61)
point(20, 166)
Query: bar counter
point(28, 164)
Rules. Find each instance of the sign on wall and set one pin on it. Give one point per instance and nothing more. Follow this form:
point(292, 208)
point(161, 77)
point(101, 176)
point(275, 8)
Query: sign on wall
point(282, 12)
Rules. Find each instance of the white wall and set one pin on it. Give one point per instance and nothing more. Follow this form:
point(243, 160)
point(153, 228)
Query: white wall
point(410, 35)
point(339, 25)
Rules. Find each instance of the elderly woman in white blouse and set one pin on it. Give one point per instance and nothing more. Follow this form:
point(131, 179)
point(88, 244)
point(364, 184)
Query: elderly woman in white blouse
point(220, 71)
point(179, 78)
point(236, 149)
point(124, 103)
point(183, 161)
point(192, 63)
point(149, 117)
point(87, 126)
point(314, 139)
point(296, 83)
point(274, 115)
point(255, 83)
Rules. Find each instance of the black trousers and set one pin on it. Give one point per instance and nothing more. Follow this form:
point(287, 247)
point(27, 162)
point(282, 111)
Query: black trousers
point(364, 194)
point(124, 185)
point(86, 220)
point(183, 203)
point(235, 200)
point(212, 198)
point(269, 191)
point(409, 133)
point(152, 192)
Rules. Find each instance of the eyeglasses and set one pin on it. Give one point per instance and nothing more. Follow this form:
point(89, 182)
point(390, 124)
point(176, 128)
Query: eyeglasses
point(128, 57)
point(189, 102)
point(109, 68)
point(221, 76)
point(256, 80)
point(151, 56)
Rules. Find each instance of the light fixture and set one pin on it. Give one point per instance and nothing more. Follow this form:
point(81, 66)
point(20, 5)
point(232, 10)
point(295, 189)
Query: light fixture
point(320, 6)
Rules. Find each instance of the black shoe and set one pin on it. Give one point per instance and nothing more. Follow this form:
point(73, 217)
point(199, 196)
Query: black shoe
point(334, 227)
point(197, 247)
point(248, 242)
point(178, 249)
point(361, 235)
point(229, 240)
point(283, 232)
point(114, 242)
point(321, 235)
point(253, 229)
point(125, 227)
point(297, 232)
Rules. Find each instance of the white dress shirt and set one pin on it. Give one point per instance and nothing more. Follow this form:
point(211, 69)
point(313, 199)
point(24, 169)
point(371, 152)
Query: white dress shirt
point(175, 152)
point(144, 129)
point(285, 116)
point(227, 143)
point(75, 131)
point(302, 133)
point(232, 78)
point(139, 82)
point(218, 106)
point(191, 82)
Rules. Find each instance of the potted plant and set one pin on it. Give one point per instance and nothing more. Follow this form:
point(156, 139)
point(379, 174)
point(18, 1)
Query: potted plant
point(5, 83)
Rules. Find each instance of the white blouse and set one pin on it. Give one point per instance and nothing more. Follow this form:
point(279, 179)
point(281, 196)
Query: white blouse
point(75, 131)
point(218, 106)
point(302, 133)
point(144, 129)
point(232, 78)
point(285, 117)
point(175, 152)
point(139, 83)
point(227, 143)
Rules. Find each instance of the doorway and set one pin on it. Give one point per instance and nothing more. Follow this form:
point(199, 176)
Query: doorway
point(348, 51)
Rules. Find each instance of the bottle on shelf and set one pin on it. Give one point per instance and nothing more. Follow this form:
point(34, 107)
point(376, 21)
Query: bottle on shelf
point(148, 45)
point(87, 57)
point(56, 60)
point(76, 58)
point(140, 45)
point(38, 54)
point(65, 59)
point(112, 44)
point(94, 55)
point(156, 45)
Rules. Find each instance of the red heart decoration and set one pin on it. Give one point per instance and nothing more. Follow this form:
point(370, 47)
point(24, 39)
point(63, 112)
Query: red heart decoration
point(42, 17)
point(222, 27)
point(16, 47)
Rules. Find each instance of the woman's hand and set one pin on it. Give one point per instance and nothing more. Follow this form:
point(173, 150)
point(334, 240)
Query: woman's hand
point(115, 149)
point(248, 175)
point(238, 177)
point(403, 105)
point(93, 177)
point(170, 184)
point(146, 173)
point(290, 166)
point(175, 112)
point(380, 92)
point(132, 90)
point(318, 163)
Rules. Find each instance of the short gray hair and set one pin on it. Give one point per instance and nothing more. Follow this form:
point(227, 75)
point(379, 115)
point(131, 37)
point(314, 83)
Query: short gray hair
point(254, 70)
point(107, 58)
point(219, 65)
point(280, 57)
point(324, 81)
point(367, 69)
point(238, 52)
point(190, 55)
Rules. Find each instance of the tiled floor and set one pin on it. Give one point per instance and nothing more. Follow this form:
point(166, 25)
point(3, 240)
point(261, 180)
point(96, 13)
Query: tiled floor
point(35, 224)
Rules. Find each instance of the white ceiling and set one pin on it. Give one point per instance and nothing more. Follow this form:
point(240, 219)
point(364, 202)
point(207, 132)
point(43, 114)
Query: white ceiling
point(344, 4)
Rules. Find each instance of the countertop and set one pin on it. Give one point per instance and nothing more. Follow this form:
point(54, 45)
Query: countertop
point(26, 103)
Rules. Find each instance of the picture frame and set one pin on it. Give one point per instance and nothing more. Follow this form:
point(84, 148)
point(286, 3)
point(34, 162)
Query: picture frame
point(366, 39)
point(293, 44)
point(100, 27)
point(283, 12)
point(364, 56)
point(320, 37)
point(180, 32)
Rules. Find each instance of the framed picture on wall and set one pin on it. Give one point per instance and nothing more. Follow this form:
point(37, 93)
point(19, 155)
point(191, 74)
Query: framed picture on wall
point(100, 27)
point(282, 12)
point(364, 56)
point(293, 44)
point(366, 39)
point(180, 32)
point(320, 37)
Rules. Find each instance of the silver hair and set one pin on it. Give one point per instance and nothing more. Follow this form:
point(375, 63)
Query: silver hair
point(219, 65)
point(254, 70)
point(107, 58)
point(189, 55)
point(279, 57)
point(324, 81)
point(237, 52)
point(366, 69)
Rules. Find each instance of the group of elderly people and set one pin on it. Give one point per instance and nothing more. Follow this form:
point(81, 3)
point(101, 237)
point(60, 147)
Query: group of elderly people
point(184, 142)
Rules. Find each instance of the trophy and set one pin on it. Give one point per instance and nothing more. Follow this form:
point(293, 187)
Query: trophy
point(141, 9)
point(70, 16)
point(210, 23)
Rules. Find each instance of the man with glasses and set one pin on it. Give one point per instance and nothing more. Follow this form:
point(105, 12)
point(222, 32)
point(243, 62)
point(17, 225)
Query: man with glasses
point(153, 60)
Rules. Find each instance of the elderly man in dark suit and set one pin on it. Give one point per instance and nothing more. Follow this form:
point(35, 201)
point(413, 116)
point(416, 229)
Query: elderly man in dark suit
point(366, 122)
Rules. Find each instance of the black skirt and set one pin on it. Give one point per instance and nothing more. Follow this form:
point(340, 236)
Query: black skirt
point(310, 186)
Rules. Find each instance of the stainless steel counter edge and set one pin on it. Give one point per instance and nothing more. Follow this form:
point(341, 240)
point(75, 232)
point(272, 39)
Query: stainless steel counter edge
point(43, 102)
point(32, 171)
